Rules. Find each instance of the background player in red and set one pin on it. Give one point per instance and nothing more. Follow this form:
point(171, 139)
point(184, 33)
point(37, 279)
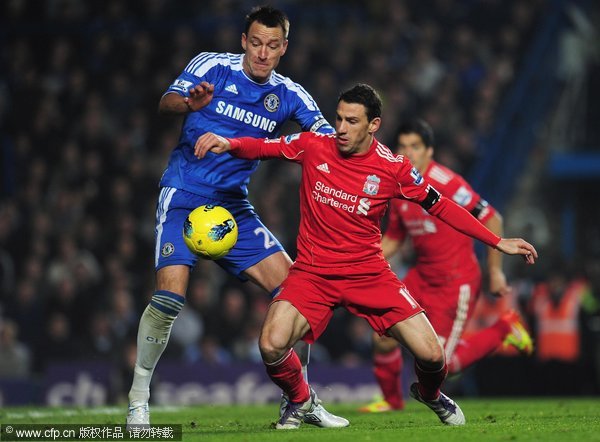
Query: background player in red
point(446, 278)
point(347, 182)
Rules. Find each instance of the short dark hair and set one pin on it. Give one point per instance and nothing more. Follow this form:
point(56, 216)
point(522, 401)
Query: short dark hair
point(419, 127)
point(270, 17)
point(365, 95)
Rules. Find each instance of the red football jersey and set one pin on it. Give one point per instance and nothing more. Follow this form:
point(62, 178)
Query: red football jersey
point(442, 253)
point(343, 198)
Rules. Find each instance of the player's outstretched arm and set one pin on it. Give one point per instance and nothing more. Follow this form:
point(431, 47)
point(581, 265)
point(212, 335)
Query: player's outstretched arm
point(174, 104)
point(213, 142)
point(461, 220)
point(518, 246)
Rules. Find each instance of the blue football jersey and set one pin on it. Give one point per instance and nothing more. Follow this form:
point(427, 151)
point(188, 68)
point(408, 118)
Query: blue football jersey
point(240, 107)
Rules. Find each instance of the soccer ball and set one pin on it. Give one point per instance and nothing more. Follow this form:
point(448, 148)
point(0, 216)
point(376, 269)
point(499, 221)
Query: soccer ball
point(210, 231)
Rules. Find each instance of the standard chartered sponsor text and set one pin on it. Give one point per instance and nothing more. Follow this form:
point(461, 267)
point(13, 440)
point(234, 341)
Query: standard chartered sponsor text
point(331, 196)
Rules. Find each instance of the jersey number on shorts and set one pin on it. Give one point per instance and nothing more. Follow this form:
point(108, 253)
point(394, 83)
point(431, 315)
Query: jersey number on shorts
point(268, 240)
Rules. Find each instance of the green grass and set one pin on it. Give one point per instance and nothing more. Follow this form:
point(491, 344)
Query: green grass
point(530, 419)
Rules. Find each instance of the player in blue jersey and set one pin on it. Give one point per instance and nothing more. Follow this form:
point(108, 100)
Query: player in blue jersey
point(234, 95)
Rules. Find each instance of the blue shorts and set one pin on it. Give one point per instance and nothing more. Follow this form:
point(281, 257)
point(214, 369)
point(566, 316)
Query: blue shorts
point(255, 242)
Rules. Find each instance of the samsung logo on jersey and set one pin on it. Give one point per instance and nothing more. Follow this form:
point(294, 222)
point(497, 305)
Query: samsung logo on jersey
point(245, 116)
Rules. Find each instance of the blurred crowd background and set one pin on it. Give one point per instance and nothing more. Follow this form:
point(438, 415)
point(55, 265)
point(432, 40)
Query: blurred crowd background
point(508, 86)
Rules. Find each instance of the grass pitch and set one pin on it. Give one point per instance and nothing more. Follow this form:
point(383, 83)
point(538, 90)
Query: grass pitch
point(527, 419)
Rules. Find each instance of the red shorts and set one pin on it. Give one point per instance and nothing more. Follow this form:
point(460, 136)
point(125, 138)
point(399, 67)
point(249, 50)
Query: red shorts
point(371, 291)
point(448, 306)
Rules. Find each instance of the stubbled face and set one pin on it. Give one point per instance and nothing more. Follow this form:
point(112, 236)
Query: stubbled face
point(354, 132)
point(412, 146)
point(263, 47)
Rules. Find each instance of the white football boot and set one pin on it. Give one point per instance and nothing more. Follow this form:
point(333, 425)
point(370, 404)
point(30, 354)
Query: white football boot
point(318, 416)
point(138, 417)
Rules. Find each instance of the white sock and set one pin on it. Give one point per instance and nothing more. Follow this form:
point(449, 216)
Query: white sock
point(153, 335)
point(140, 388)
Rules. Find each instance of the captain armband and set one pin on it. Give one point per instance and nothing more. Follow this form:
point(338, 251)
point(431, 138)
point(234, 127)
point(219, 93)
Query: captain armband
point(480, 209)
point(433, 196)
point(317, 125)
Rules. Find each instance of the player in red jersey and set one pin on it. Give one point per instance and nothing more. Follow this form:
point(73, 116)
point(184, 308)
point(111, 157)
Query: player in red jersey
point(446, 278)
point(347, 181)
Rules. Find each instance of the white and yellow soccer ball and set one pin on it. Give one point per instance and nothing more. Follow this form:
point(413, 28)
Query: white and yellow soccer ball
point(210, 231)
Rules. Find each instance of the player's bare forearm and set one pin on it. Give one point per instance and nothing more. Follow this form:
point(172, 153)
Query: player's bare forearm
point(498, 285)
point(389, 246)
point(172, 104)
point(211, 142)
point(497, 279)
point(175, 104)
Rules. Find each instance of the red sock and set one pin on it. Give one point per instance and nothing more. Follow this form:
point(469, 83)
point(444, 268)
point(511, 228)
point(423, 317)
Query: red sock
point(430, 381)
point(387, 368)
point(478, 346)
point(287, 374)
